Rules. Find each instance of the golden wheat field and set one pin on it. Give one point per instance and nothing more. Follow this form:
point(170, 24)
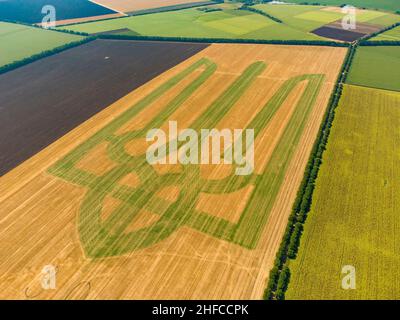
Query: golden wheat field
point(137, 5)
point(116, 227)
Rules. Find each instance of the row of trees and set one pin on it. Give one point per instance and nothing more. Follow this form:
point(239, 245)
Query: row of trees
point(365, 39)
point(249, 8)
point(89, 38)
point(175, 7)
point(280, 273)
point(50, 29)
point(225, 40)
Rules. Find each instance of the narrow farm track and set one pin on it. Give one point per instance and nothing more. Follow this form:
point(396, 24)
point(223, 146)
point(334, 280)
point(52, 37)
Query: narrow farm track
point(117, 228)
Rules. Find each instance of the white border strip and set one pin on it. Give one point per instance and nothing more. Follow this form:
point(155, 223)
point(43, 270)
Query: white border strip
point(102, 5)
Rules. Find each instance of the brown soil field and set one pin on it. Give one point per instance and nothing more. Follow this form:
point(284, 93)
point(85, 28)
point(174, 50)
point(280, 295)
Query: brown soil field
point(138, 5)
point(44, 100)
point(39, 212)
point(338, 34)
point(335, 31)
point(365, 28)
point(87, 19)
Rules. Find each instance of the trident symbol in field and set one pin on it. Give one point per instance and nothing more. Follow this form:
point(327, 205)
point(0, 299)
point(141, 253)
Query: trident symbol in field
point(108, 238)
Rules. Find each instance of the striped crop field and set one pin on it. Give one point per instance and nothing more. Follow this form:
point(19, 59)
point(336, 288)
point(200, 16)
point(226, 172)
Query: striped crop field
point(91, 204)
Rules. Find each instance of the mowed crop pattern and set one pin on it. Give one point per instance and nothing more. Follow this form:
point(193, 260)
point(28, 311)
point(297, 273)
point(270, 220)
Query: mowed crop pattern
point(354, 219)
point(118, 227)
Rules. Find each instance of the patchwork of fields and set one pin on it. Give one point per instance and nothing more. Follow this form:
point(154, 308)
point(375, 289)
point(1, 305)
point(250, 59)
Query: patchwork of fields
point(389, 5)
point(228, 23)
point(376, 67)
point(155, 223)
point(327, 21)
point(15, 37)
point(61, 99)
point(299, 22)
point(78, 192)
point(130, 6)
point(391, 35)
point(354, 219)
point(302, 17)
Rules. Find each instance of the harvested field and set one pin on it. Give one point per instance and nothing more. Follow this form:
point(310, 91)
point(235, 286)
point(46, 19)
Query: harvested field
point(67, 89)
point(123, 229)
point(354, 218)
point(87, 19)
point(141, 5)
point(30, 11)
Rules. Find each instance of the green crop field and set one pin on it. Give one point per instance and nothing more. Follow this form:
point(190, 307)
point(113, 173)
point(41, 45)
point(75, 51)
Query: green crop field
point(19, 41)
point(391, 35)
point(389, 5)
point(308, 18)
point(227, 23)
point(303, 17)
point(377, 67)
point(354, 218)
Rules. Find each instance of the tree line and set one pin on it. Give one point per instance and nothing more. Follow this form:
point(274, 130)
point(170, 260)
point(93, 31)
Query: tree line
point(251, 9)
point(364, 41)
point(43, 54)
point(224, 40)
point(280, 274)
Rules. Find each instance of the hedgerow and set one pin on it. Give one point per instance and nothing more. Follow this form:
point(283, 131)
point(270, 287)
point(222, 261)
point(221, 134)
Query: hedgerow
point(224, 40)
point(41, 55)
point(280, 273)
point(364, 41)
point(251, 9)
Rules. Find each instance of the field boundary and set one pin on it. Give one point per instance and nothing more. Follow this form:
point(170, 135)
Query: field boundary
point(260, 12)
point(369, 87)
point(306, 3)
point(83, 34)
point(142, 13)
point(176, 7)
point(373, 35)
point(20, 63)
point(279, 277)
point(224, 40)
point(380, 43)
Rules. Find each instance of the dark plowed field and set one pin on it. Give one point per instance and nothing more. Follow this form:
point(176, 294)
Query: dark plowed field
point(30, 11)
point(338, 34)
point(335, 31)
point(44, 100)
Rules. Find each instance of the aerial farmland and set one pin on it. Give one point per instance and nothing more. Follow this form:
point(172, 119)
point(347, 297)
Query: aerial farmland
point(199, 150)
